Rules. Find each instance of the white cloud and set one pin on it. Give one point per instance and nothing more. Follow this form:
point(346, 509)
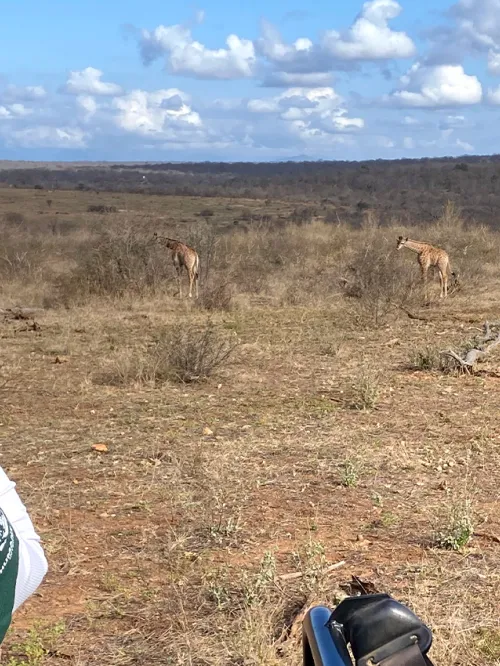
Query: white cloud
point(310, 111)
point(493, 95)
point(410, 120)
point(408, 143)
point(14, 111)
point(88, 105)
point(469, 148)
point(473, 28)
point(478, 23)
point(48, 137)
point(385, 142)
point(452, 122)
point(88, 82)
point(263, 105)
point(301, 79)
point(494, 62)
point(186, 56)
point(437, 86)
point(370, 37)
point(271, 45)
point(299, 63)
point(155, 114)
point(24, 93)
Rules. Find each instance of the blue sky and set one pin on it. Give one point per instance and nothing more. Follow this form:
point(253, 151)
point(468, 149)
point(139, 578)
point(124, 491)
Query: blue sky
point(130, 80)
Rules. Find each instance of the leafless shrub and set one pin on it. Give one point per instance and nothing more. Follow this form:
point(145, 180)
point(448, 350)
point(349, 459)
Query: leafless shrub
point(193, 353)
point(110, 266)
point(14, 218)
point(100, 208)
point(183, 353)
point(378, 279)
point(216, 295)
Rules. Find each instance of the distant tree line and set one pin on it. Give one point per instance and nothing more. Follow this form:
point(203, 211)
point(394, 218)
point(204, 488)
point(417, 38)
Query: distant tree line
point(403, 189)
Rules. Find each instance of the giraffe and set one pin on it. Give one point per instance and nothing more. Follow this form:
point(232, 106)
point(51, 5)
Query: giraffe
point(183, 256)
point(428, 256)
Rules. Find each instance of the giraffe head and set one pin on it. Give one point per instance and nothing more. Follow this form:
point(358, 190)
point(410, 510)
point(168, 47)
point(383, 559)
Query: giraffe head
point(401, 242)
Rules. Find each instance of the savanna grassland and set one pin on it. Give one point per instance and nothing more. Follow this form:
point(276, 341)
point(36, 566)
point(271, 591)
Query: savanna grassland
point(196, 467)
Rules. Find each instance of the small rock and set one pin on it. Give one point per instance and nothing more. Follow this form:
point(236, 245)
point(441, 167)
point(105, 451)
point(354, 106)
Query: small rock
point(207, 431)
point(100, 447)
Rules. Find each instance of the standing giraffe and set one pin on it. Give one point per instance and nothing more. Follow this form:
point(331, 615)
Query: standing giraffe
point(428, 256)
point(183, 256)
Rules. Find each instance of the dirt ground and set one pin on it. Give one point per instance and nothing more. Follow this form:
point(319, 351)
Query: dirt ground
point(213, 515)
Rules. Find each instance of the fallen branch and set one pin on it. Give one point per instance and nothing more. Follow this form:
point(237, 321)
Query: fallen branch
point(484, 345)
point(409, 313)
point(20, 313)
point(485, 535)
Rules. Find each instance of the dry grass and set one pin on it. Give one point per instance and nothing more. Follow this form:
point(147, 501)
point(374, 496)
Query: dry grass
point(172, 546)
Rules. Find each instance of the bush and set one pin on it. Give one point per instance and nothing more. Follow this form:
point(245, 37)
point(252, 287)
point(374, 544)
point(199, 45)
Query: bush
point(100, 208)
point(184, 353)
point(365, 391)
point(427, 359)
point(459, 528)
point(191, 354)
point(13, 218)
point(216, 296)
point(110, 266)
point(379, 278)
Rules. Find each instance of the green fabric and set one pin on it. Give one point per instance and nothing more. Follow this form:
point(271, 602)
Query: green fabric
point(9, 563)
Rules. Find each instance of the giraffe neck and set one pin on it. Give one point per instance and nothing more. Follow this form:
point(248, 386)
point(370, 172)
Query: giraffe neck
point(415, 246)
point(166, 241)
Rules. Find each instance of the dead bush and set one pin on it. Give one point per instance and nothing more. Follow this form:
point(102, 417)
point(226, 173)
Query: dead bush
point(100, 208)
point(216, 295)
point(13, 218)
point(191, 353)
point(110, 266)
point(430, 359)
point(379, 279)
point(183, 353)
point(22, 254)
point(204, 239)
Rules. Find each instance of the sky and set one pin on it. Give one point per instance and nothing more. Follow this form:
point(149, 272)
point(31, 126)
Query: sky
point(158, 81)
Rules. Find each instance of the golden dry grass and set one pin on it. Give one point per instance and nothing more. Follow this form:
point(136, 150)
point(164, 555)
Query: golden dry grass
point(170, 547)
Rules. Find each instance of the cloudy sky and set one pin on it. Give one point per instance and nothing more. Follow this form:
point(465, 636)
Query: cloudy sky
point(153, 80)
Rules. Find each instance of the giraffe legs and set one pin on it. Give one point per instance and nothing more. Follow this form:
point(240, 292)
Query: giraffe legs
point(424, 278)
point(191, 279)
point(178, 270)
point(441, 285)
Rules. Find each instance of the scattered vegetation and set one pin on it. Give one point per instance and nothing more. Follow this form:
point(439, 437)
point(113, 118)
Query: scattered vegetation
point(429, 358)
point(207, 443)
point(40, 641)
point(459, 528)
point(349, 473)
point(100, 208)
point(398, 189)
point(365, 391)
point(194, 353)
point(181, 352)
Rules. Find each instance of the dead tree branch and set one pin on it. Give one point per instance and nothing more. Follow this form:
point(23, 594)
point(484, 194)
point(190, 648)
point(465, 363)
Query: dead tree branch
point(482, 347)
point(20, 312)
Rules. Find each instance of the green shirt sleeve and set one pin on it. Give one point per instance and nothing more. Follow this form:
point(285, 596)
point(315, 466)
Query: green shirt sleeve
point(9, 563)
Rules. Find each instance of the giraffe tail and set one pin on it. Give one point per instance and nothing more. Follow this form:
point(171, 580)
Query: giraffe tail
point(455, 276)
